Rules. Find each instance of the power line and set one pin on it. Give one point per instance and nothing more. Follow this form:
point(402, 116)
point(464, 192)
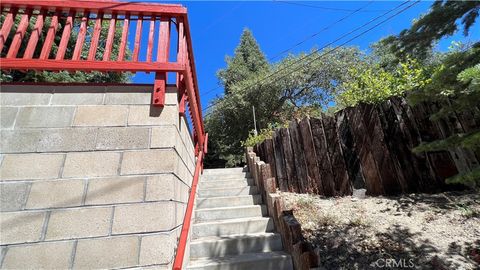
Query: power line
point(337, 39)
point(304, 40)
point(321, 31)
point(355, 37)
point(325, 8)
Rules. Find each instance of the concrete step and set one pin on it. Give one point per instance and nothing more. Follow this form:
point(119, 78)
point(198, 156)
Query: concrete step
point(215, 177)
point(230, 212)
point(224, 171)
point(226, 183)
point(232, 226)
point(202, 203)
point(221, 246)
point(251, 261)
point(222, 192)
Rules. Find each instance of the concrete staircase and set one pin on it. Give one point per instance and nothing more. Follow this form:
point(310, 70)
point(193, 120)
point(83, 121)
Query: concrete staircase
point(230, 231)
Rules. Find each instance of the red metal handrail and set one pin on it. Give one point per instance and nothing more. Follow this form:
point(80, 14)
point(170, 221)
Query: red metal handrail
point(182, 242)
point(75, 15)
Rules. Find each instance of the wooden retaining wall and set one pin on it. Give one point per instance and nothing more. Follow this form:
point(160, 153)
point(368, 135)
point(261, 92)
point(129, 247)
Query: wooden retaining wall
point(303, 255)
point(369, 147)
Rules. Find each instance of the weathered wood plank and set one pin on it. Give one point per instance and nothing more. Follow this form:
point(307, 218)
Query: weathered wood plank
point(369, 168)
point(339, 169)
point(313, 173)
point(299, 158)
point(289, 160)
point(323, 160)
point(279, 162)
point(350, 154)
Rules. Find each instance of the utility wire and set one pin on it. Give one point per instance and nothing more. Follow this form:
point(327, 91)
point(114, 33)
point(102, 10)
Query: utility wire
point(321, 31)
point(324, 8)
point(334, 41)
point(332, 50)
point(305, 39)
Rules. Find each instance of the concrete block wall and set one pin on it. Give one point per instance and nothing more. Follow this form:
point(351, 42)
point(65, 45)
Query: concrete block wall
point(91, 177)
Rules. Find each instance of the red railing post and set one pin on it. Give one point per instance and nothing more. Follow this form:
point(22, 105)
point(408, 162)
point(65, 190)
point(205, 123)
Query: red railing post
point(77, 52)
point(7, 26)
point(162, 56)
point(19, 35)
point(52, 30)
point(35, 35)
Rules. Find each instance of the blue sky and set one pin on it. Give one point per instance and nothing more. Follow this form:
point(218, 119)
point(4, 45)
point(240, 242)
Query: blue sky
point(216, 28)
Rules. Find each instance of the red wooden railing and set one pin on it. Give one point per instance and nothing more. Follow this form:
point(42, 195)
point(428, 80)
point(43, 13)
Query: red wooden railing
point(57, 21)
point(69, 19)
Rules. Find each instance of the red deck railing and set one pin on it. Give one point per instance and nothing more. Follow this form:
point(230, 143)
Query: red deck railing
point(69, 19)
point(57, 22)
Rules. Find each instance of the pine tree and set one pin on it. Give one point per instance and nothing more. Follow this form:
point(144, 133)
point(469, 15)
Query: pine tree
point(247, 61)
point(439, 22)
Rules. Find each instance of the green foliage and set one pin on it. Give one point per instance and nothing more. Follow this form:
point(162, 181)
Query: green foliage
point(82, 77)
point(455, 83)
point(253, 139)
point(247, 60)
point(440, 21)
point(295, 90)
point(471, 179)
point(375, 84)
point(469, 140)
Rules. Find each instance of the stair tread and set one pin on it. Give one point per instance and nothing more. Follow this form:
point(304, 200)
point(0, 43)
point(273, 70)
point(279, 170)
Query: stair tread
point(231, 196)
point(226, 188)
point(226, 185)
point(225, 180)
point(231, 220)
point(260, 256)
point(230, 207)
point(233, 237)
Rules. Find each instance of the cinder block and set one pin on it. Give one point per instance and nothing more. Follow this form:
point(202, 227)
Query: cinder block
point(180, 210)
point(149, 161)
point(145, 217)
point(54, 255)
point(44, 117)
point(7, 116)
point(78, 95)
point(71, 139)
point(21, 227)
point(16, 95)
point(164, 137)
point(56, 193)
point(101, 115)
point(166, 187)
point(157, 249)
point(183, 173)
point(91, 164)
point(128, 95)
point(103, 253)
point(19, 141)
point(12, 196)
point(183, 192)
point(115, 190)
point(78, 223)
point(122, 138)
point(144, 115)
point(161, 187)
point(31, 166)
